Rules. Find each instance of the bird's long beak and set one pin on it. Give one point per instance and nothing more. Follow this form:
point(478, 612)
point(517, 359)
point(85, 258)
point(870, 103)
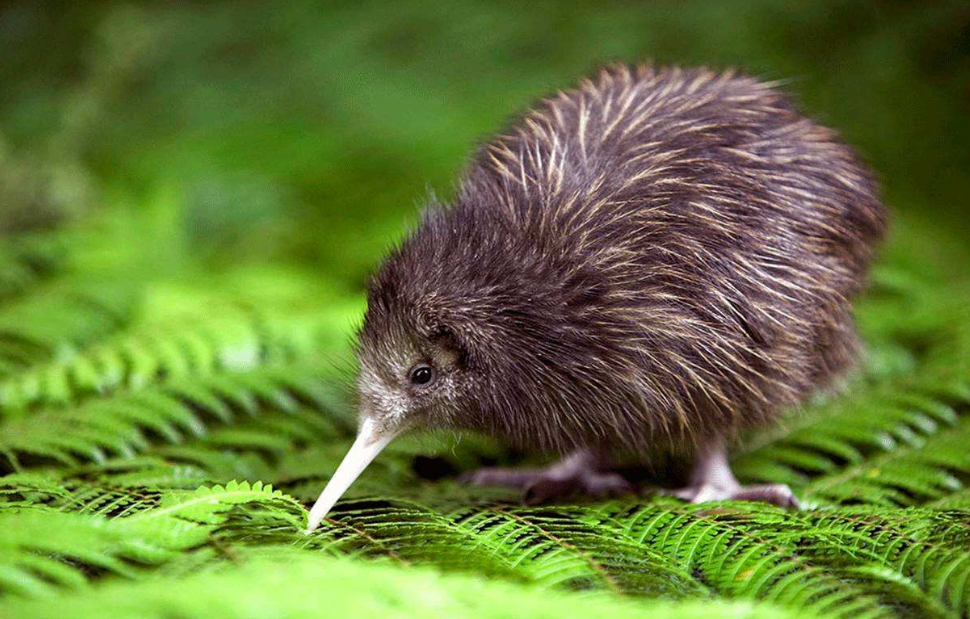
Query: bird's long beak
point(369, 443)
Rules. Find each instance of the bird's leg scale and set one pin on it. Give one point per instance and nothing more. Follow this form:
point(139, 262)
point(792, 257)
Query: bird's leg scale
point(711, 479)
point(581, 472)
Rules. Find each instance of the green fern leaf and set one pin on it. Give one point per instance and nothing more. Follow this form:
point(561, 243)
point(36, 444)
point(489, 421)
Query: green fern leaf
point(300, 584)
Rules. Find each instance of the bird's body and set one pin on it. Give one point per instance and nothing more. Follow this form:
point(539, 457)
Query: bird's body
point(654, 259)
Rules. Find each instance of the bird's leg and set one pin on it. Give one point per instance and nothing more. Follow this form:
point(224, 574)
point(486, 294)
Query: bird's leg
point(711, 479)
point(581, 472)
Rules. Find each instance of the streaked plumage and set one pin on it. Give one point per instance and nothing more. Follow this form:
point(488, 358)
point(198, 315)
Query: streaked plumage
point(655, 256)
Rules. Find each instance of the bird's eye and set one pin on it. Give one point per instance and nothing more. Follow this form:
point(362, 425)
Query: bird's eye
point(422, 374)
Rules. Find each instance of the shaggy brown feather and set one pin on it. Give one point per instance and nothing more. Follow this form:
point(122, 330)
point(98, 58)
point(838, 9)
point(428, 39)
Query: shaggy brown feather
point(654, 256)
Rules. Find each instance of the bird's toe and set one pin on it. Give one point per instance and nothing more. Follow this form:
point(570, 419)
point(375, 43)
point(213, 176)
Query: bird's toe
point(551, 487)
point(777, 494)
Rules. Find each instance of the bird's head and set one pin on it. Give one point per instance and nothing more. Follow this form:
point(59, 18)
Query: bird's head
point(414, 372)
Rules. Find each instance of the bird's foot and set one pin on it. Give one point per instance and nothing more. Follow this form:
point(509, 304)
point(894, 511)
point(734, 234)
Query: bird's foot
point(777, 494)
point(711, 479)
point(574, 475)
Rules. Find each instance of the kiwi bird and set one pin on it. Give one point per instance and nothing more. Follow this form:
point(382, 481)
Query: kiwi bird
point(652, 260)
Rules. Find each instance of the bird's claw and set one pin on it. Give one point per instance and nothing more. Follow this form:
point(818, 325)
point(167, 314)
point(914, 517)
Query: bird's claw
point(776, 494)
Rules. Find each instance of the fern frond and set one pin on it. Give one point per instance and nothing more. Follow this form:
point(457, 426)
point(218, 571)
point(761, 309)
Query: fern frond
point(742, 553)
point(28, 259)
point(42, 550)
point(55, 322)
point(546, 548)
point(303, 584)
point(881, 423)
point(926, 552)
point(195, 346)
point(921, 471)
point(205, 505)
point(129, 423)
point(26, 489)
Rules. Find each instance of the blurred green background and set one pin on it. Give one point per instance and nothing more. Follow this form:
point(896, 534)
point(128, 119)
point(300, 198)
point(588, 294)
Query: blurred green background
point(192, 196)
point(233, 133)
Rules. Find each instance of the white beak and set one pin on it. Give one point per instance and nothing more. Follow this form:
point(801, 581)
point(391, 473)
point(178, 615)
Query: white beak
point(362, 452)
